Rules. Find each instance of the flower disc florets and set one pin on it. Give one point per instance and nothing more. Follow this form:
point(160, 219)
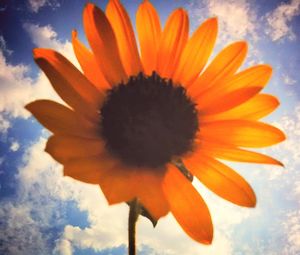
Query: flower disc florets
point(148, 121)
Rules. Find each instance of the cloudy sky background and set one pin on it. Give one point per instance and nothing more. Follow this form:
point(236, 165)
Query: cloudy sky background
point(42, 212)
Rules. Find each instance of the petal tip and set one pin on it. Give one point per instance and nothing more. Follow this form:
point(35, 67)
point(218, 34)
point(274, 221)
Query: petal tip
point(29, 106)
point(37, 53)
point(242, 44)
point(213, 21)
point(252, 201)
point(208, 241)
point(74, 33)
point(281, 136)
point(182, 11)
point(89, 8)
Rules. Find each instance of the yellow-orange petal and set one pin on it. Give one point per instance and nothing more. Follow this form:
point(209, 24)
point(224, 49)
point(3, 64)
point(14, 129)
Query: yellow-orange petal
point(196, 52)
point(173, 40)
point(72, 86)
point(225, 64)
point(89, 64)
point(123, 184)
point(60, 119)
point(228, 101)
point(256, 108)
point(103, 42)
point(150, 193)
point(121, 25)
point(256, 76)
point(65, 147)
point(118, 185)
point(244, 133)
point(149, 34)
point(187, 206)
point(90, 169)
point(222, 180)
point(231, 153)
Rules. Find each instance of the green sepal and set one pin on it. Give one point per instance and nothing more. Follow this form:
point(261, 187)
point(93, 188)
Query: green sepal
point(144, 212)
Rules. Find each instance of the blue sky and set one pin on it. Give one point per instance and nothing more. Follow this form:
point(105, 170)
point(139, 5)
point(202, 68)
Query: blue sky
point(42, 212)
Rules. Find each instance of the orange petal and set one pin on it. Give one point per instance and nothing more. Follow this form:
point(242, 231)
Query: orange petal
point(244, 133)
point(225, 64)
point(118, 184)
point(103, 43)
point(173, 40)
point(72, 86)
point(232, 153)
point(149, 33)
point(60, 119)
point(228, 101)
point(63, 148)
point(122, 184)
point(89, 64)
point(257, 76)
point(187, 206)
point(254, 109)
point(196, 52)
point(150, 193)
point(222, 180)
point(89, 170)
point(121, 25)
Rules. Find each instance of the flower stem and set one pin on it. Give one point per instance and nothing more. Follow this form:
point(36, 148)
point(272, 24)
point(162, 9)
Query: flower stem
point(134, 212)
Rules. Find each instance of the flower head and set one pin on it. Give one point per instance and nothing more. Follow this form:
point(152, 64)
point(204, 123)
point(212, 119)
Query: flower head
point(141, 122)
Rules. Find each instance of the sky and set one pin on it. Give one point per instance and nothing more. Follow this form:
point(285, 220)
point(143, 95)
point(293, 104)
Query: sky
point(42, 212)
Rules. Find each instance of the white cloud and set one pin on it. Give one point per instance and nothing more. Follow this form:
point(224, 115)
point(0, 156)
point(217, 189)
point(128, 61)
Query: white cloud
point(17, 89)
point(46, 37)
point(64, 247)
point(4, 124)
point(3, 46)
point(292, 229)
point(19, 231)
point(14, 146)
point(288, 80)
point(288, 150)
point(280, 18)
point(236, 18)
point(36, 5)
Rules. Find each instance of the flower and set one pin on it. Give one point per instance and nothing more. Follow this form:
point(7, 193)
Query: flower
point(142, 125)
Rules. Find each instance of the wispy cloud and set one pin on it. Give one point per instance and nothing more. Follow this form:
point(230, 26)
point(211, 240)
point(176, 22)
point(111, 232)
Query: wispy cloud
point(19, 232)
point(292, 230)
point(279, 20)
point(4, 124)
point(14, 146)
point(36, 5)
point(3, 46)
point(288, 80)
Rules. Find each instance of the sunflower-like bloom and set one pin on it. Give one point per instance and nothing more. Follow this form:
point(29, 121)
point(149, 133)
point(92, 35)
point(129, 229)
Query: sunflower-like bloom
point(142, 121)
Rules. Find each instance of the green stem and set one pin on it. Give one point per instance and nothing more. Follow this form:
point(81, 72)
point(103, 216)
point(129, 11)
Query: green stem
point(134, 212)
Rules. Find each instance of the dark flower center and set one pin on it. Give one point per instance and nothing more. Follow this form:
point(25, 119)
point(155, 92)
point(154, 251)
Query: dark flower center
point(148, 121)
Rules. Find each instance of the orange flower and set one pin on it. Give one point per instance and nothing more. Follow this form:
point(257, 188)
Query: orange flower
point(136, 122)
